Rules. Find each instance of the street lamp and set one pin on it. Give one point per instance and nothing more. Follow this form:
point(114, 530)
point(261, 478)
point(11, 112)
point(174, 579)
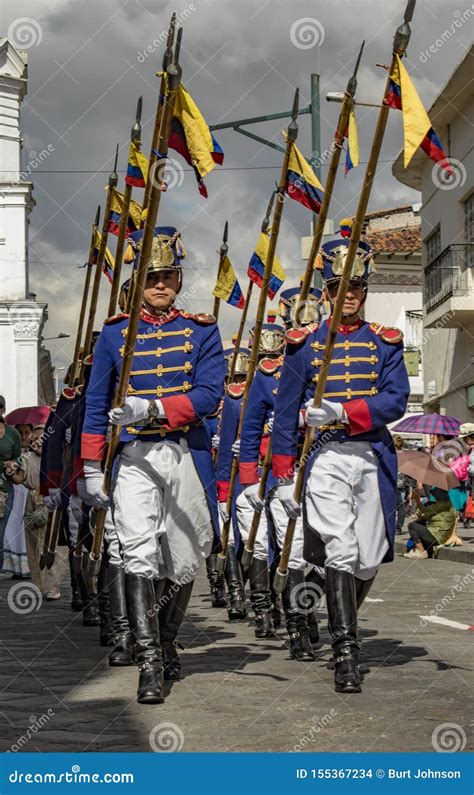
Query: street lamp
point(61, 336)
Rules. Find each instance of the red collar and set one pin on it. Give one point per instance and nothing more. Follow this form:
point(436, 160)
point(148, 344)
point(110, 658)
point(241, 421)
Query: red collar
point(159, 320)
point(344, 328)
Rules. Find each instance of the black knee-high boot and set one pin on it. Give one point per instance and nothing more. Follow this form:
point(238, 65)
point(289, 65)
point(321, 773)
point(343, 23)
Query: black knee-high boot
point(76, 601)
point(216, 582)
point(143, 618)
point(103, 599)
point(316, 587)
point(90, 611)
point(260, 597)
point(236, 607)
point(122, 653)
point(362, 589)
point(173, 604)
point(295, 617)
point(342, 615)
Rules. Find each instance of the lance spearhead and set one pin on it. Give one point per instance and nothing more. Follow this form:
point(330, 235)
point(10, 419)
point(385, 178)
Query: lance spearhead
point(97, 216)
point(136, 133)
point(293, 125)
point(224, 247)
point(113, 178)
point(174, 69)
point(168, 54)
point(352, 84)
point(403, 32)
point(266, 220)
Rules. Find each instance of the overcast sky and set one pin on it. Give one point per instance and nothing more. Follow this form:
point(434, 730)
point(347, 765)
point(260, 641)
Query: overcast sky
point(240, 58)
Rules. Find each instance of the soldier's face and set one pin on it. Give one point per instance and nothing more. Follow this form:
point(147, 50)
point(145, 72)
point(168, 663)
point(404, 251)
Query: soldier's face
point(353, 300)
point(161, 289)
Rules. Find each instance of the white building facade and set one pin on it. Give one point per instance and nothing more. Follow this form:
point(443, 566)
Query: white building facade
point(21, 317)
point(447, 213)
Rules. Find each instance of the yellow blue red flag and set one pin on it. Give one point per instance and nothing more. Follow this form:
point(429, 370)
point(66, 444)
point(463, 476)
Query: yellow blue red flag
point(417, 128)
point(352, 147)
point(137, 166)
point(257, 266)
point(116, 209)
point(227, 286)
point(302, 184)
point(109, 259)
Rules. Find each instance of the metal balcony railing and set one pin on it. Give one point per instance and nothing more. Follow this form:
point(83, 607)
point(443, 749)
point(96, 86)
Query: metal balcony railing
point(447, 274)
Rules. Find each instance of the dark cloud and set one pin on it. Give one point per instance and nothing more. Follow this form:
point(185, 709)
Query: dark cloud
point(238, 60)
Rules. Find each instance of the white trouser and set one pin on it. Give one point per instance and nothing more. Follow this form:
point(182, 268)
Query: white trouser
point(74, 511)
point(344, 507)
point(113, 543)
point(244, 521)
point(280, 520)
point(160, 510)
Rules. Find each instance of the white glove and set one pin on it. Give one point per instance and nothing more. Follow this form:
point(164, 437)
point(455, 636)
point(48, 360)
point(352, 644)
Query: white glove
point(223, 511)
point(82, 491)
point(327, 412)
point(215, 441)
point(251, 495)
point(134, 410)
point(236, 448)
point(270, 423)
point(285, 494)
point(68, 435)
point(94, 482)
point(301, 419)
point(53, 500)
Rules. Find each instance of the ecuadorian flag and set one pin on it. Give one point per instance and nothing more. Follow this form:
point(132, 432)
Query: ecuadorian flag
point(227, 286)
point(116, 210)
point(109, 259)
point(417, 129)
point(302, 184)
point(137, 166)
point(345, 227)
point(192, 138)
point(257, 267)
point(352, 148)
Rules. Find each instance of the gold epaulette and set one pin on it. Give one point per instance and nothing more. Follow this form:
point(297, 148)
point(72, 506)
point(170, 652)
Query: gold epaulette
point(235, 390)
point(269, 366)
point(294, 336)
point(116, 318)
point(201, 317)
point(388, 334)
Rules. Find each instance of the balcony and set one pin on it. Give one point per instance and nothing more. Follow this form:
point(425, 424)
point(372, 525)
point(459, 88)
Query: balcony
point(449, 287)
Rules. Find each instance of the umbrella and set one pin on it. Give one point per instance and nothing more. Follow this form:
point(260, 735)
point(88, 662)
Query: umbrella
point(28, 415)
point(426, 469)
point(428, 423)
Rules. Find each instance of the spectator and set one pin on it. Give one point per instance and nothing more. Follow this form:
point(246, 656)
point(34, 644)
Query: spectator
point(10, 451)
point(36, 514)
point(432, 526)
point(403, 490)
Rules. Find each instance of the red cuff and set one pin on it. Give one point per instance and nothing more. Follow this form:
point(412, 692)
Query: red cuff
point(223, 490)
point(358, 414)
point(283, 466)
point(248, 473)
point(264, 445)
point(92, 446)
point(178, 409)
point(54, 478)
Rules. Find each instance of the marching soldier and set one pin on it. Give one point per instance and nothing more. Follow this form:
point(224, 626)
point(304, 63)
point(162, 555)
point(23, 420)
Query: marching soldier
point(164, 498)
point(255, 437)
point(350, 493)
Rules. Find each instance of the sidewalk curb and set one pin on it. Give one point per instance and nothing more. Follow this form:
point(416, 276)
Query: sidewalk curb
point(464, 554)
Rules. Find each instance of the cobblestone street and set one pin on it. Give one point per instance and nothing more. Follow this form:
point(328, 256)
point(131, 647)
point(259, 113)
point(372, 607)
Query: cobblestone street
point(241, 694)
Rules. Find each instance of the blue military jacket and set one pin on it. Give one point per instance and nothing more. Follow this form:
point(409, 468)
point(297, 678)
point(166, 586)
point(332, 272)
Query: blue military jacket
point(178, 359)
point(367, 375)
point(261, 402)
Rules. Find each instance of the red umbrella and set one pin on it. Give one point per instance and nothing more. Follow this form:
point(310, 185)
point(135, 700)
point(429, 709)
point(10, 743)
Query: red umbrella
point(28, 415)
point(424, 468)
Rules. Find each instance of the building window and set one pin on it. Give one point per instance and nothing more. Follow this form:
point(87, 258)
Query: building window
point(433, 245)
